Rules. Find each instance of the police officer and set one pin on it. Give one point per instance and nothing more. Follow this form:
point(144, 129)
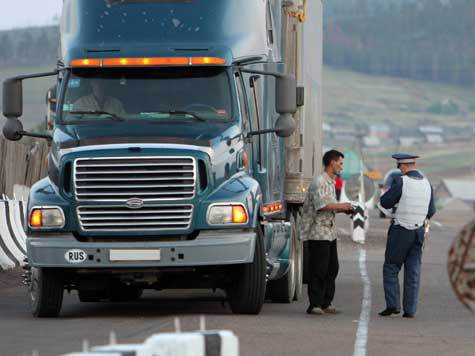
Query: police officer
point(412, 196)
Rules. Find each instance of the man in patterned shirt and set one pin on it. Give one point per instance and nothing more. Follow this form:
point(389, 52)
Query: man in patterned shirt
point(318, 226)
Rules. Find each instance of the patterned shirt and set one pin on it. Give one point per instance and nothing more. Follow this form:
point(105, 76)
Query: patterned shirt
point(319, 225)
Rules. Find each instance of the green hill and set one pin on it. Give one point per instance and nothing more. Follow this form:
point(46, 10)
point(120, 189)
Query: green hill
point(354, 100)
point(350, 97)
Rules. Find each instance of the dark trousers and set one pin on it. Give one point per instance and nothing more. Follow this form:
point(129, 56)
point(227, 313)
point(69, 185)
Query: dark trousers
point(322, 271)
point(403, 248)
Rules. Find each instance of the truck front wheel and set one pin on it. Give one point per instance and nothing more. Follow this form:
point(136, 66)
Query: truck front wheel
point(283, 290)
point(46, 292)
point(246, 296)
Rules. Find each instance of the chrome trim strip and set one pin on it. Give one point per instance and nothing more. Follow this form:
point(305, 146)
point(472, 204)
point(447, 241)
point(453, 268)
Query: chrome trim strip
point(80, 193)
point(119, 146)
point(89, 223)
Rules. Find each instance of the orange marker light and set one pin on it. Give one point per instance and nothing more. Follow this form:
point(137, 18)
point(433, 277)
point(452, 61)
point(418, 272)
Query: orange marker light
point(207, 60)
point(239, 215)
point(86, 62)
point(36, 218)
point(272, 207)
point(245, 159)
point(140, 62)
point(146, 61)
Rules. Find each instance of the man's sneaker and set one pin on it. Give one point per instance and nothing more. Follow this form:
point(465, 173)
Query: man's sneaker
point(389, 311)
point(330, 310)
point(314, 310)
point(408, 315)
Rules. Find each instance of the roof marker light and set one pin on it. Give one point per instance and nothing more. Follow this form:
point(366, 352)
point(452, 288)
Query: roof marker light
point(86, 62)
point(146, 61)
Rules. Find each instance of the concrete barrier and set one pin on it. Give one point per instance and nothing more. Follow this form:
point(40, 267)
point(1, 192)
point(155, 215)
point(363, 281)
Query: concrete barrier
point(12, 234)
point(202, 343)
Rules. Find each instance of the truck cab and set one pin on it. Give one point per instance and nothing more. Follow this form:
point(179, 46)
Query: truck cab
point(167, 160)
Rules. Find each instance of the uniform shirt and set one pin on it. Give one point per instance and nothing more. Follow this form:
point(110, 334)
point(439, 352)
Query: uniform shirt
point(390, 199)
point(316, 224)
point(90, 103)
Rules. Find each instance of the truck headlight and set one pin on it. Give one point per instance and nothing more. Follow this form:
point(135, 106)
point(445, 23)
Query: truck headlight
point(227, 214)
point(46, 217)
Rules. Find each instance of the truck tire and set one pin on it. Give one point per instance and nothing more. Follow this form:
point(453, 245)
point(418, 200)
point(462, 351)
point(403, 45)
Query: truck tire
point(282, 290)
point(46, 292)
point(246, 296)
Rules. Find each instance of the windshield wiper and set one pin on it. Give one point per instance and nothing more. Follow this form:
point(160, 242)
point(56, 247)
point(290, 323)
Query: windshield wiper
point(98, 112)
point(189, 113)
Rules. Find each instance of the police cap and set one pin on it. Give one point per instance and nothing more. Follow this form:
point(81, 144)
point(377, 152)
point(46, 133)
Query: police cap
point(405, 158)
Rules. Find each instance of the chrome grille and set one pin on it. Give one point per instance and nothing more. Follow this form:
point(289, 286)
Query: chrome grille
point(147, 218)
point(146, 178)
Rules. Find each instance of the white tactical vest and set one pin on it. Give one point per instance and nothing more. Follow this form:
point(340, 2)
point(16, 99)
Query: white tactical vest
point(414, 203)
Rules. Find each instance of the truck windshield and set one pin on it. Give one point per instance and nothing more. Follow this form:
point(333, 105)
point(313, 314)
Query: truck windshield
point(201, 94)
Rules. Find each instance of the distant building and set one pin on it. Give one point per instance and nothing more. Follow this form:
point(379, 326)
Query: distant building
point(407, 141)
point(371, 141)
point(382, 131)
point(432, 133)
point(431, 129)
point(450, 189)
point(434, 138)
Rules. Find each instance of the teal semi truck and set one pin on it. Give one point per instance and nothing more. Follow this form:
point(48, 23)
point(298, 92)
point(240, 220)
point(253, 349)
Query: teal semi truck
point(184, 136)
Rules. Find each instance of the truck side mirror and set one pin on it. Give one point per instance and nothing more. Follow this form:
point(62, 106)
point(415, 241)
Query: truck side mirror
point(300, 96)
point(285, 95)
point(13, 108)
point(13, 129)
point(12, 98)
point(285, 105)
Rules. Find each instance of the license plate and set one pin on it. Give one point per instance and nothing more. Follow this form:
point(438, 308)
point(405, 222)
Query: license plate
point(134, 255)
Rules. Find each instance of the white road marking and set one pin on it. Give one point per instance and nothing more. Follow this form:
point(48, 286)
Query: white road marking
point(436, 223)
point(362, 331)
point(343, 231)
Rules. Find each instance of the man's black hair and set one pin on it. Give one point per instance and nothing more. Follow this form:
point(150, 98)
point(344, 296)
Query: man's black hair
point(332, 155)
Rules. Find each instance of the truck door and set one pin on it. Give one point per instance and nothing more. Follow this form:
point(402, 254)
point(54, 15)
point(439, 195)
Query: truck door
point(251, 148)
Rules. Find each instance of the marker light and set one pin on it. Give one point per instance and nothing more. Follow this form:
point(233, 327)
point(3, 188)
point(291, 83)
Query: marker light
point(93, 62)
point(271, 208)
point(36, 218)
point(146, 61)
point(239, 215)
point(47, 217)
point(143, 62)
point(206, 60)
point(227, 214)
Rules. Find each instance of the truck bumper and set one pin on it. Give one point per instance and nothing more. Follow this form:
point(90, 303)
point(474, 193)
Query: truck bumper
point(207, 249)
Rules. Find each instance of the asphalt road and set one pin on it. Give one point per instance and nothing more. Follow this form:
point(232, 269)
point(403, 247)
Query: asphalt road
point(442, 326)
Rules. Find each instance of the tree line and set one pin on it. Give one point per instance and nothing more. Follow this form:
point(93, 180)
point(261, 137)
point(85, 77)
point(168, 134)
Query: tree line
point(33, 46)
point(420, 39)
point(425, 40)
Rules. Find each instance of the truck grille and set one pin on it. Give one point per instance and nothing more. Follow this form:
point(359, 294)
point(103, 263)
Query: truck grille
point(147, 218)
point(146, 178)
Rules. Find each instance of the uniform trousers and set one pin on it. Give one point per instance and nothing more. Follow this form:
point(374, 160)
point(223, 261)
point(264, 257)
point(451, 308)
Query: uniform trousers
point(403, 247)
point(322, 271)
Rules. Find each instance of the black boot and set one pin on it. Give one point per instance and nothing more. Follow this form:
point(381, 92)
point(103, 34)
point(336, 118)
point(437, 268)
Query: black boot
point(389, 312)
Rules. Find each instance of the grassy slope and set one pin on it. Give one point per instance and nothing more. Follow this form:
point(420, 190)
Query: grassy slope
point(357, 98)
point(353, 96)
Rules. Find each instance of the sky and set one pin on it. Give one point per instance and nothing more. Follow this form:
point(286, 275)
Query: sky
point(24, 13)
